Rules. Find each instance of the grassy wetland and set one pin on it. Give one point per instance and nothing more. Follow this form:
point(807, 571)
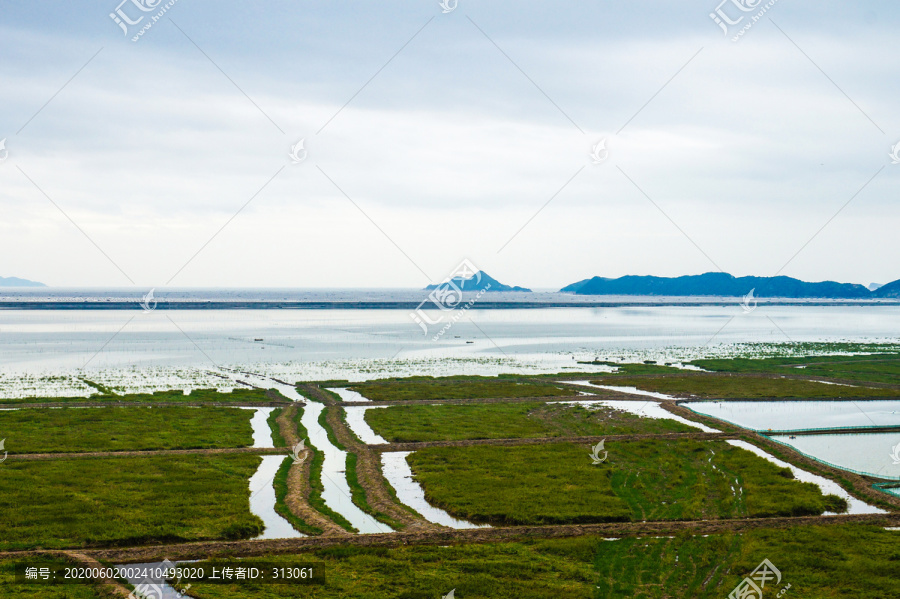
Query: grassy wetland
point(640, 480)
point(400, 424)
point(869, 367)
point(816, 561)
point(126, 501)
point(237, 396)
point(687, 489)
point(747, 387)
point(453, 387)
point(124, 429)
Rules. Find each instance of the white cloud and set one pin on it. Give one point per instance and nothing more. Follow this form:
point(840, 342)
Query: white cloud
point(450, 149)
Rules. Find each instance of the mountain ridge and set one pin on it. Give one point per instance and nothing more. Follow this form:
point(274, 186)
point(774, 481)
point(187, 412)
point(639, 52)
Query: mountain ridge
point(17, 282)
point(724, 284)
point(474, 283)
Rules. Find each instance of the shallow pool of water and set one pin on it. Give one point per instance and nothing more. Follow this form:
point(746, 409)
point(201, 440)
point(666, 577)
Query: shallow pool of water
point(829, 487)
point(262, 432)
point(356, 420)
point(624, 389)
point(797, 415)
point(398, 473)
point(348, 394)
point(262, 500)
point(877, 454)
point(334, 478)
point(336, 494)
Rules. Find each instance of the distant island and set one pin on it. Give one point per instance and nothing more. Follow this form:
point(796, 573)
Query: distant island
point(474, 283)
point(722, 284)
point(890, 290)
point(17, 282)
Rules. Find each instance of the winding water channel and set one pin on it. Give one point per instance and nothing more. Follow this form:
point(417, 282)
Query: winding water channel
point(397, 471)
point(336, 492)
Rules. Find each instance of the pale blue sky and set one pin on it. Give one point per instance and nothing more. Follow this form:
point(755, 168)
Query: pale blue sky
point(744, 154)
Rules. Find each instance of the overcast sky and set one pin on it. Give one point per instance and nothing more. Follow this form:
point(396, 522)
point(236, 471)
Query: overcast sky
point(430, 137)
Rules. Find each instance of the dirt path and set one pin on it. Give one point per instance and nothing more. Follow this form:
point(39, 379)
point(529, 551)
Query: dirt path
point(286, 425)
point(297, 499)
point(609, 377)
point(477, 535)
point(688, 414)
point(599, 395)
point(856, 485)
point(368, 468)
point(147, 404)
point(109, 586)
point(146, 453)
point(388, 447)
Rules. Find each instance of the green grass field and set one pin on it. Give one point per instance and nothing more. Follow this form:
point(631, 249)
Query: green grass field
point(514, 570)
point(455, 387)
point(126, 501)
point(817, 562)
point(641, 480)
point(123, 429)
point(236, 396)
point(876, 368)
point(703, 385)
point(411, 423)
